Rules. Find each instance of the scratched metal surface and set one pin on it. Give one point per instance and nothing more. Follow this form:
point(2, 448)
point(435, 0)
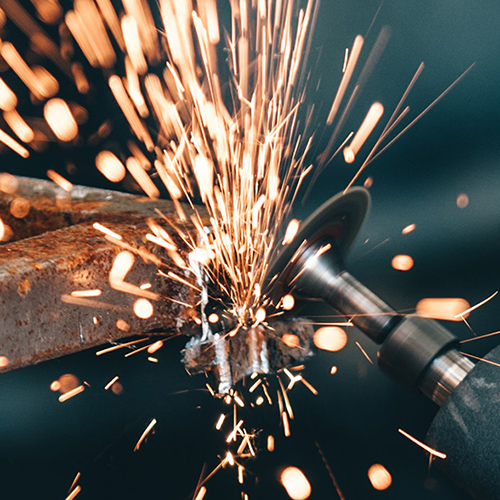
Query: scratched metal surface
point(55, 251)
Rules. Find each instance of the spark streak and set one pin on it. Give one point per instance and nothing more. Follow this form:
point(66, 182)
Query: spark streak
point(430, 450)
point(148, 429)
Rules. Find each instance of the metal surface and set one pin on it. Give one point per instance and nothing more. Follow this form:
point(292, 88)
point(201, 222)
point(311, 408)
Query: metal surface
point(409, 344)
point(54, 250)
point(466, 429)
point(255, 350)
point(444, 375)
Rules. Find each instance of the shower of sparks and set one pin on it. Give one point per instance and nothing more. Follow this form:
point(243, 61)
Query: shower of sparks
point(430, 450)
point(223, 131)
point(229, 134)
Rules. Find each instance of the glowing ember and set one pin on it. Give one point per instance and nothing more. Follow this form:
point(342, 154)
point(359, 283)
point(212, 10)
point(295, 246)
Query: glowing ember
point(4, 361)
point(291, 230)
point(295, 483)
point(20, 208)
point(408, 229)
point(55, 386)
point(201, 493)
point(86, 293)
point(330, 338)
point(270, 443)
point(380, 477)
point(452, 309)
point(106, 231)
point(290, 340)
point(402, 262)
point(288, 302)
point(148, 429)
point(143, 308)
point(213, 318)
point(72, 393)
point(111, 382)
point(462, 200)
point(220, 422)
point(369, 123)
point(155, 347)
point(110, 166)
point(60, 119)
point(333, 370)
point(74, 493)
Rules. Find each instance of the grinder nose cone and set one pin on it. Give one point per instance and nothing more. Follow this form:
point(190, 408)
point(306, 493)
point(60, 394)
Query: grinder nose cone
point(339, 219)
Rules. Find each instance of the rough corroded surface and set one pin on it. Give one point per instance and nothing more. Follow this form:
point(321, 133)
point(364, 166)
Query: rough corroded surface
point(253, 350)
point(58, 251)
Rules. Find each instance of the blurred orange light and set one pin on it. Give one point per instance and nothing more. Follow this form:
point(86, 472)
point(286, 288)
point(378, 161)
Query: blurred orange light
point(409, 228)
point(19, 208)
point(462, 200)
point(60, 119)
point(380, 477)
point(143, 308)
point(402, 262)
point(288, 302)
point(110, 166)
point(330, 338)
point(55, 386)
point(449, 309)
point(291, 231)
point(213, 318)
point(290, 340)
point(295, 483)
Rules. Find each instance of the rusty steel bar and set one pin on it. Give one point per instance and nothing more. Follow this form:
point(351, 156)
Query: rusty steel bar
point(54, 250)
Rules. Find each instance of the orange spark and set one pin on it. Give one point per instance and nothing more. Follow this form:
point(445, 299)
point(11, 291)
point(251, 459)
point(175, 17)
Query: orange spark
point(409, 228)
point(295, 483)
point(451, 309)
point(74, 493)
point(430, 450)
point(60, 119)
point(330, 338)
point(380, 477)
point(473, 308)
point(346, 78)
point(291, 231)
point(369, 123)
point(86, 293)
point(143, 308)
point(144, 434)
point(72, 393)
point(111, 382)
point(402, 262)
point(105, 230)
point(365, 354)
point(110, 166)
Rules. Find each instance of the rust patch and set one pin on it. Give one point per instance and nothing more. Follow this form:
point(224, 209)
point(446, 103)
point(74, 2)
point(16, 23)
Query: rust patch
point(24, 287)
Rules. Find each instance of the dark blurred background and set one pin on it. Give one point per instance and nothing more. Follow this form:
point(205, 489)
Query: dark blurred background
point(453, 150)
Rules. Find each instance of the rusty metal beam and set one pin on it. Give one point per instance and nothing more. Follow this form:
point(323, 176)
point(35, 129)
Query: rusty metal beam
point(55, 250)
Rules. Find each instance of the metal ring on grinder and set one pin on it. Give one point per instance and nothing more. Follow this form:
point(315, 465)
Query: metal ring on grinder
point(341, 217)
